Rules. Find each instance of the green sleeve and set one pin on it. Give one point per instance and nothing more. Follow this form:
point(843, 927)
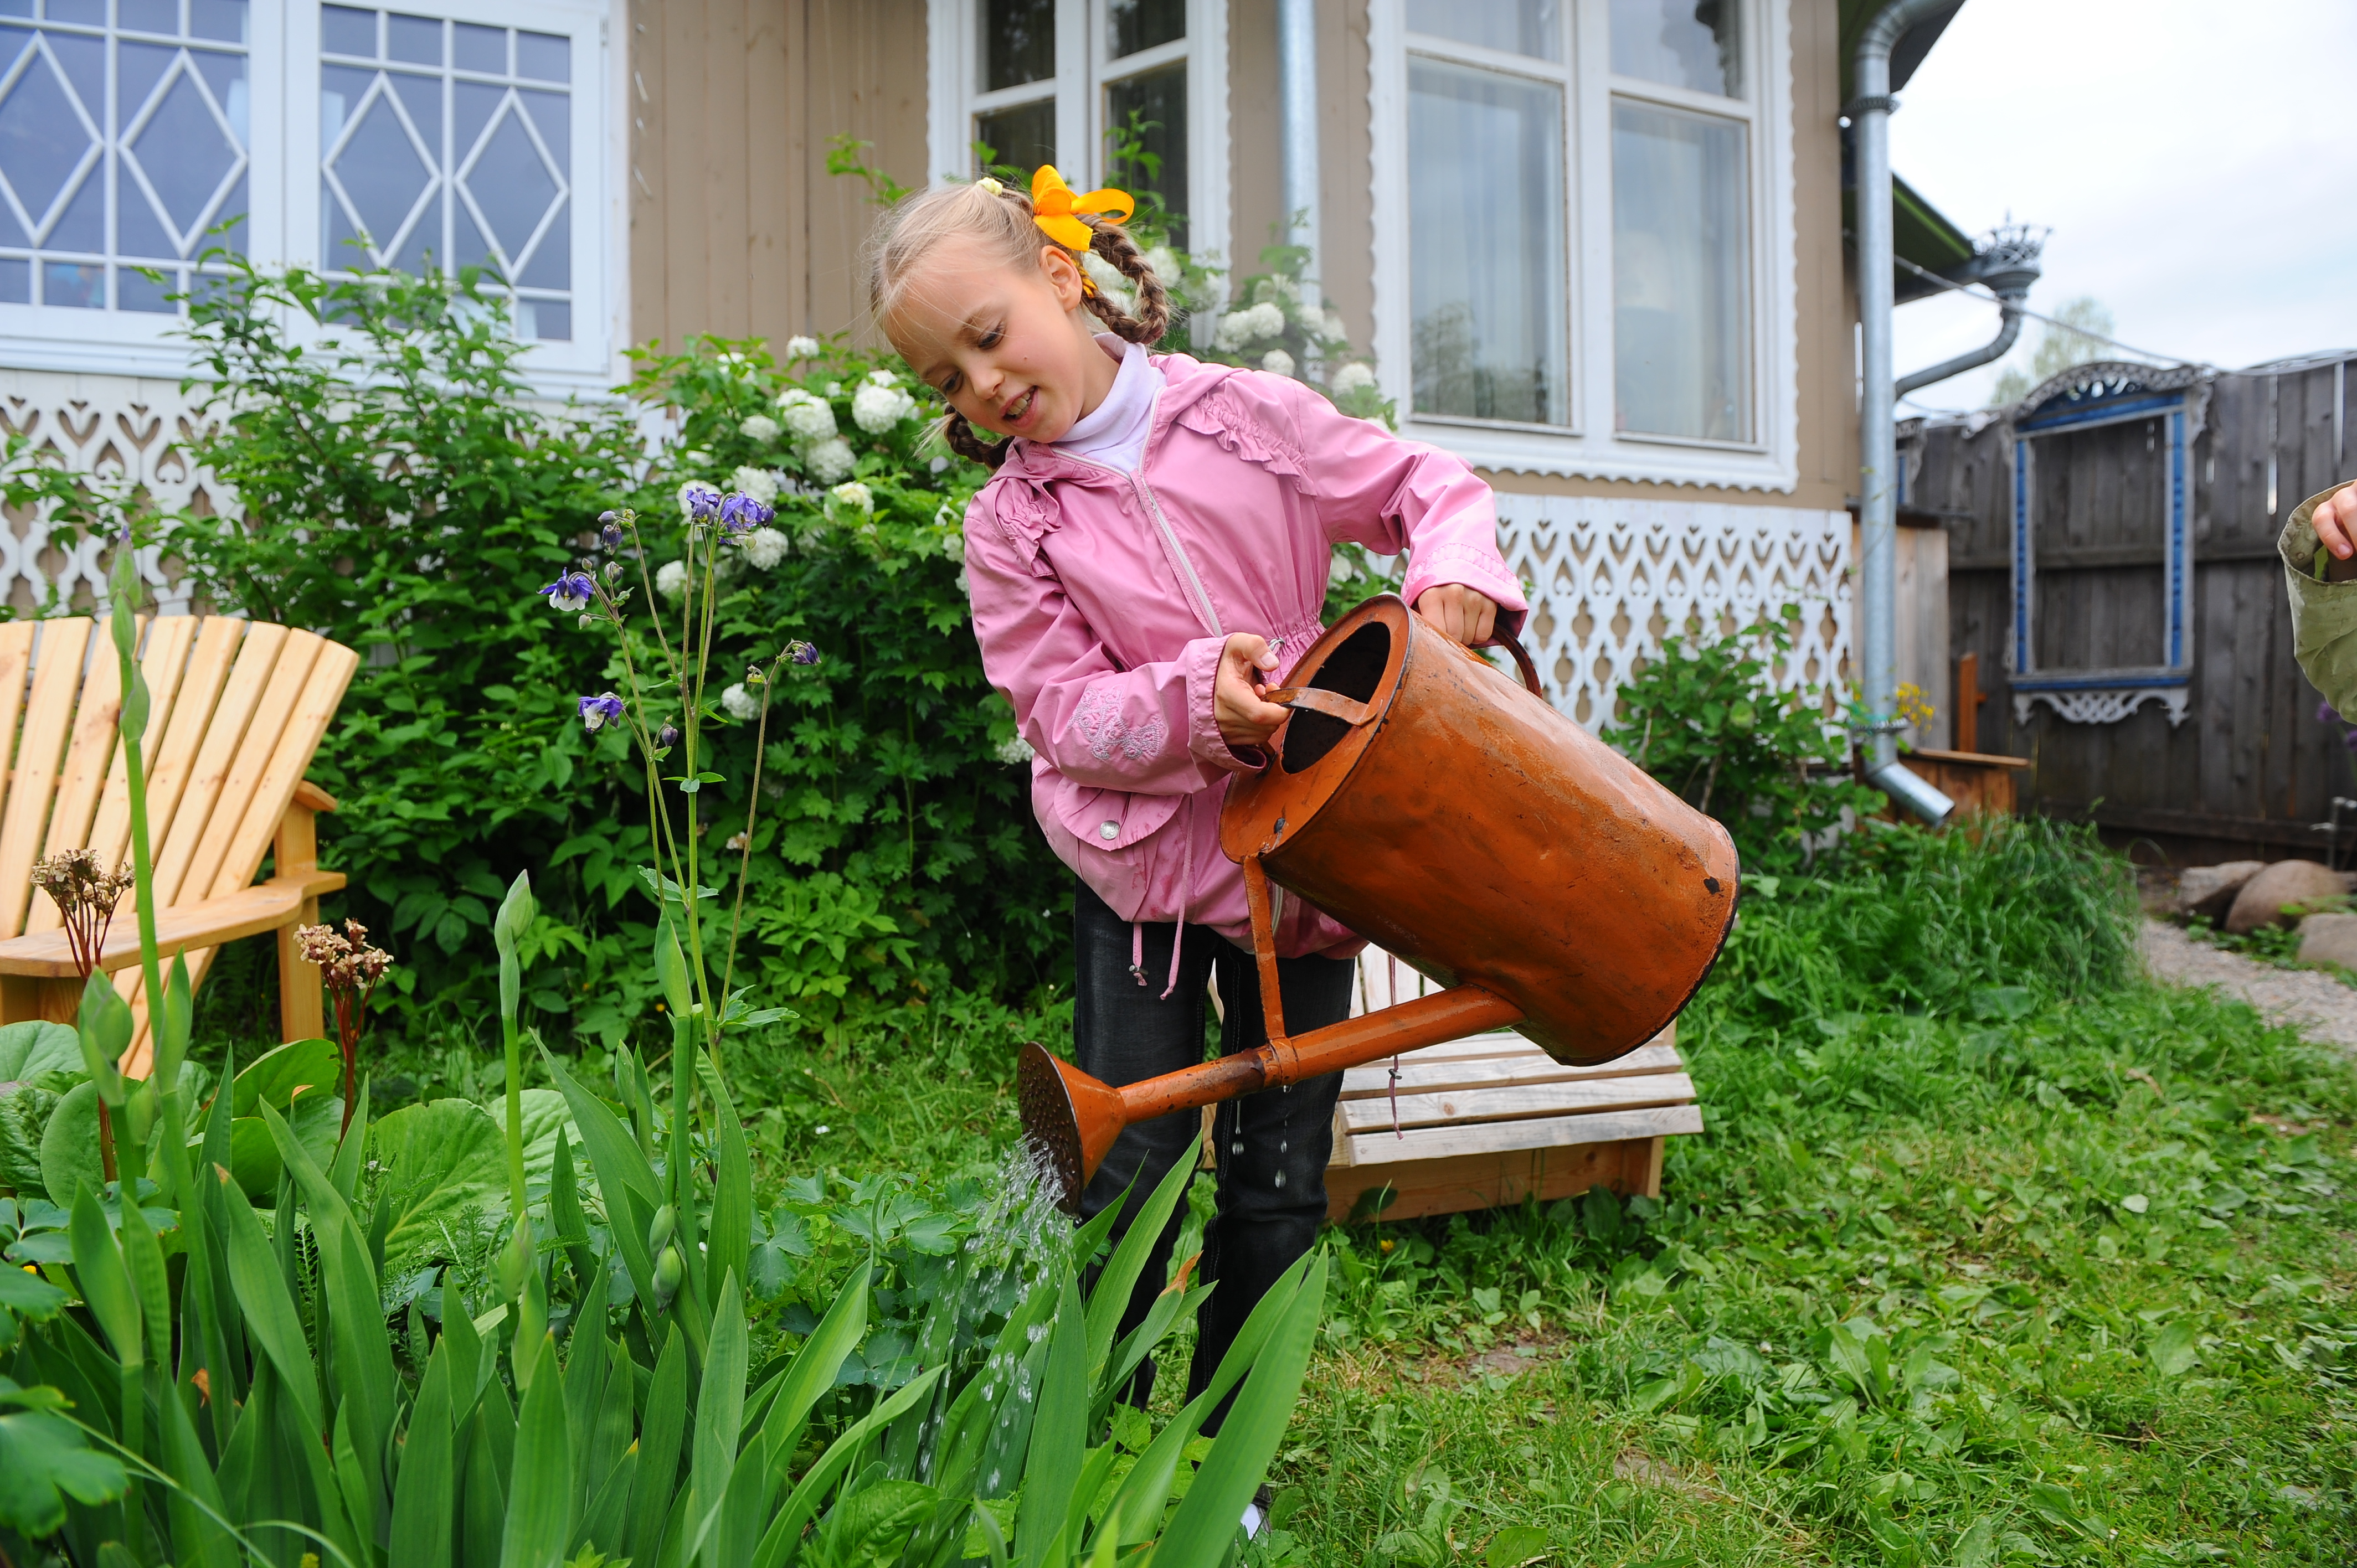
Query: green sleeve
point(2323, 615)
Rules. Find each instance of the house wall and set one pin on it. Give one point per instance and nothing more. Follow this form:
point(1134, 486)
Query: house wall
point(736, 227)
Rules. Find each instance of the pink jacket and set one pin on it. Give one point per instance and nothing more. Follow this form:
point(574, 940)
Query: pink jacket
point(1102, 602)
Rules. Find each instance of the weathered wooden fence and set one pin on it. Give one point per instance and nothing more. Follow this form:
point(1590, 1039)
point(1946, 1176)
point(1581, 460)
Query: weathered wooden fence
point(2112, 565)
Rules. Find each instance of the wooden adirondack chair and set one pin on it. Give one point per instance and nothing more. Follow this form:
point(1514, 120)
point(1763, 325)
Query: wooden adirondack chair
point(236, 709)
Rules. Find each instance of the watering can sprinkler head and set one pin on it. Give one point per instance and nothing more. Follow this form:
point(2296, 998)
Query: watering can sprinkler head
point(1069, 1119)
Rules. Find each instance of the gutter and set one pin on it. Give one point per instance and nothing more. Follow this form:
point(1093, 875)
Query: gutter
point(2006, 268)
point(1869, 114)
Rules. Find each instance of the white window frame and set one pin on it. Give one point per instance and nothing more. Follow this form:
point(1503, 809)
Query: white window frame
point(1588, 447)
point(1083, 73)
point(283, 185)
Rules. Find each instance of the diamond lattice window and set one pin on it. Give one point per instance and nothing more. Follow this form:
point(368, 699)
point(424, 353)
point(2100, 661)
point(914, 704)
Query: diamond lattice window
point(124, 148)
point(447, 145)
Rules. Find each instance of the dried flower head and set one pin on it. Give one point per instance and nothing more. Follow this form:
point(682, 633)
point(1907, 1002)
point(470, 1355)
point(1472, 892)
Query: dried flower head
point(86, 897)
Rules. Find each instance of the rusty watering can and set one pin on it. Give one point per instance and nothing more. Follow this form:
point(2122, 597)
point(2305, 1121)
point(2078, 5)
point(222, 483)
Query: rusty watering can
point(1456, 820)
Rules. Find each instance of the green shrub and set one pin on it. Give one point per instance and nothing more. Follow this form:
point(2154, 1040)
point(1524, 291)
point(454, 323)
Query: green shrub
point(1709, 722)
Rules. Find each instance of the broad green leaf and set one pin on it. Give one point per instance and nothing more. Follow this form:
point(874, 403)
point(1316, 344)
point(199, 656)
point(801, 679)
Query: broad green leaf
point(44, 1460)
point(436, 1162)
point(1203, 1532)
point(277, 1076)
point(660, 1430)
point(544, 1112)
point(2058, 1508)
point(422, 1493)
point(33, 1298)
point(2177, 1349)
point(25, 1112)
point(106, 1286)
point(1515, 1546)
point(1057, 1431)
point(720, 1411)
point(29, 1050)
point(729, 1242)
point(70, 1156)
point(540, 1479)
point(253, 1153)
point(787, 1528)
point(1110, 1298)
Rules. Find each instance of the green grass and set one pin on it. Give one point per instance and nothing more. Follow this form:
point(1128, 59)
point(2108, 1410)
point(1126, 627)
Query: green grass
point(1992, 1253)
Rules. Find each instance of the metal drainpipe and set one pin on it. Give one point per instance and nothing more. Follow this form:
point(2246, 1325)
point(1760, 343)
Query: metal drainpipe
point(1995, 349)
point(2007, 265)
point(1869, 114)
point(1296, 66)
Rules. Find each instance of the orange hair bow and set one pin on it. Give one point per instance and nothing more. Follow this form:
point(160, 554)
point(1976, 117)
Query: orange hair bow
point(1056, 206)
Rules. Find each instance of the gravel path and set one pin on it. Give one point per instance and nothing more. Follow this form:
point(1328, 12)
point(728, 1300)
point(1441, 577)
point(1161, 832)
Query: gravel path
point(2322, 1007)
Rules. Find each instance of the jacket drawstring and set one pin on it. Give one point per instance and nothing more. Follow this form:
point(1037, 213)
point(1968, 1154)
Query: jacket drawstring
point(1186, 892)
point(1137, 951)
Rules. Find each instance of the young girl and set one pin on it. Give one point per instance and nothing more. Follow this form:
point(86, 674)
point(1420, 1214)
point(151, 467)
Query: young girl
point(1150, 556)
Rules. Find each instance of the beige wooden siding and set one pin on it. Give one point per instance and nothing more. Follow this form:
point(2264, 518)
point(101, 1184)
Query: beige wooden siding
point(736, 227)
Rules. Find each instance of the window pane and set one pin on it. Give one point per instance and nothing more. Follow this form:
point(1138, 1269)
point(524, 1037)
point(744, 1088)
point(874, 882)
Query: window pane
point(1018, 43)
point(1533, 28)
point(1680, 252)
point(495, 194)
point(121, 145)
point(1023, 136)
point(1694, 44)
point(1142, 24)
point(344, 31)
point(1487, 289)
point(1145, 118)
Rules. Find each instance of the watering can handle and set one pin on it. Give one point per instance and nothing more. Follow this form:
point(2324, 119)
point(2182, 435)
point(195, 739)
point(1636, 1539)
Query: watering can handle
point(1507, 640)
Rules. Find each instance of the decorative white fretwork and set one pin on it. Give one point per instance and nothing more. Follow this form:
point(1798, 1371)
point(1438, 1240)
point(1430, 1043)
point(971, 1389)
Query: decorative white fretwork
point(2103, 704)
point(1609, 579)
point(123, 430)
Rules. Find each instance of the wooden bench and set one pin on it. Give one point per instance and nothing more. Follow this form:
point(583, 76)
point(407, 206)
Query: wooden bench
point(236, 710)
point(1491, 1121)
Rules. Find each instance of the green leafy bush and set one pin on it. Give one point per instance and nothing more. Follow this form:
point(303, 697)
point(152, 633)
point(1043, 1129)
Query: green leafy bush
point(1709, 721)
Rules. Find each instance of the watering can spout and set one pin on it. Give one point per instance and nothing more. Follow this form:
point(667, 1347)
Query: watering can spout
point(1072, 1118)
point(1451, 815)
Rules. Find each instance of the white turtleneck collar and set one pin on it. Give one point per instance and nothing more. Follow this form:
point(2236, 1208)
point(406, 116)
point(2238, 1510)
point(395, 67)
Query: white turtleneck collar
point(1114, 431)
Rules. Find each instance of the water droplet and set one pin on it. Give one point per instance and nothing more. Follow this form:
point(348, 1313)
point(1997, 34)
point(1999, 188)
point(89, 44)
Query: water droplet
point(1280, 1178)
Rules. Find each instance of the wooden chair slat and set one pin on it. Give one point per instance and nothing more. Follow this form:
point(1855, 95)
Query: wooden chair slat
point(40, 750)
point(163, 661)
point(15, 659)
point(249, 678)
point(174, 758)
point(1419, 1075)
point(90, 749)
point(1538, 1133)
point(289, 675)
point(306, 725)
point(1576, 1101)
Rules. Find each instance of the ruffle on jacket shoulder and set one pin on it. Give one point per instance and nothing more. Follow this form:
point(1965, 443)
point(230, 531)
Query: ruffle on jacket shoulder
point(1247, 423)
point(1025, 513)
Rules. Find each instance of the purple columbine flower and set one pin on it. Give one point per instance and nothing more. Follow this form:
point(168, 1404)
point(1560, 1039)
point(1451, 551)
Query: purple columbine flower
point(2325, 714)
point(667, 737)
point(801, 653)
point(571, 591)
point(600, 711)
point(740, 513)
point(610, 535)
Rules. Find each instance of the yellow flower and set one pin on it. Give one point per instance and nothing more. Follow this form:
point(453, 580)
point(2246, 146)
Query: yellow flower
point(1055, 209)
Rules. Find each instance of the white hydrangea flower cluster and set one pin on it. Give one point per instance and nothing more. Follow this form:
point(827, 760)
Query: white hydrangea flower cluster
point(1277, 362)
point(759, 427)
point(1110, 283)
point(759, 483)
point(809, 418)
point(799, 346)
point(739, 704)
point(856, 496)
point(670, 579)
point(763, 548)
point(1013, 749)
point(1356, 376)
point(880, 403)
point(1249, 324)
point(830, 460)
point(1164, 264)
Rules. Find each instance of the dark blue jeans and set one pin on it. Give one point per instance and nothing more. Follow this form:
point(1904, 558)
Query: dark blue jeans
point(1271, 1148)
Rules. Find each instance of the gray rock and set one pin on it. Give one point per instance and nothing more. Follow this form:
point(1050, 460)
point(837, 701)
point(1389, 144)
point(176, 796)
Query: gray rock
point(2209, 891)
point(2264, 898)
point(2328, 939)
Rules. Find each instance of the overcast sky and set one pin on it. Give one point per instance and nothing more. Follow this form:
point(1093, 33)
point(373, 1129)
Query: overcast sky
point(2197, 162)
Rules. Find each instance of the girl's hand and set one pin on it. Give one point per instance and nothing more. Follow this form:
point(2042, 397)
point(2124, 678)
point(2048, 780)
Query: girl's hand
point(2336, 531)
point(1243, 719)
point(1460, 612)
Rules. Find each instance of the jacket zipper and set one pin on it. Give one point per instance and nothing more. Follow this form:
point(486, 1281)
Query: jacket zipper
point(1198, 599)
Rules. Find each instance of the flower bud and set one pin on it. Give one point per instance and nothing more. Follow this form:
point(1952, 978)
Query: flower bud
point(666, 737)
point(753, 676)
point(660, 1229)
point(516, 1260)
point(801, 652)
point(588, 621)
point(613, 572)
point(668, 1271)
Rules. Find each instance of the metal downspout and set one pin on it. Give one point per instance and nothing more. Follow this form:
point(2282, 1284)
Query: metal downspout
point(1869, 114)
point(1971, 360)
point(1297, 68)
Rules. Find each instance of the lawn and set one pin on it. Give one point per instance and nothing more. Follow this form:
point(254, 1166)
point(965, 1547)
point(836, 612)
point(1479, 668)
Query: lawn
point(1994, 1252)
